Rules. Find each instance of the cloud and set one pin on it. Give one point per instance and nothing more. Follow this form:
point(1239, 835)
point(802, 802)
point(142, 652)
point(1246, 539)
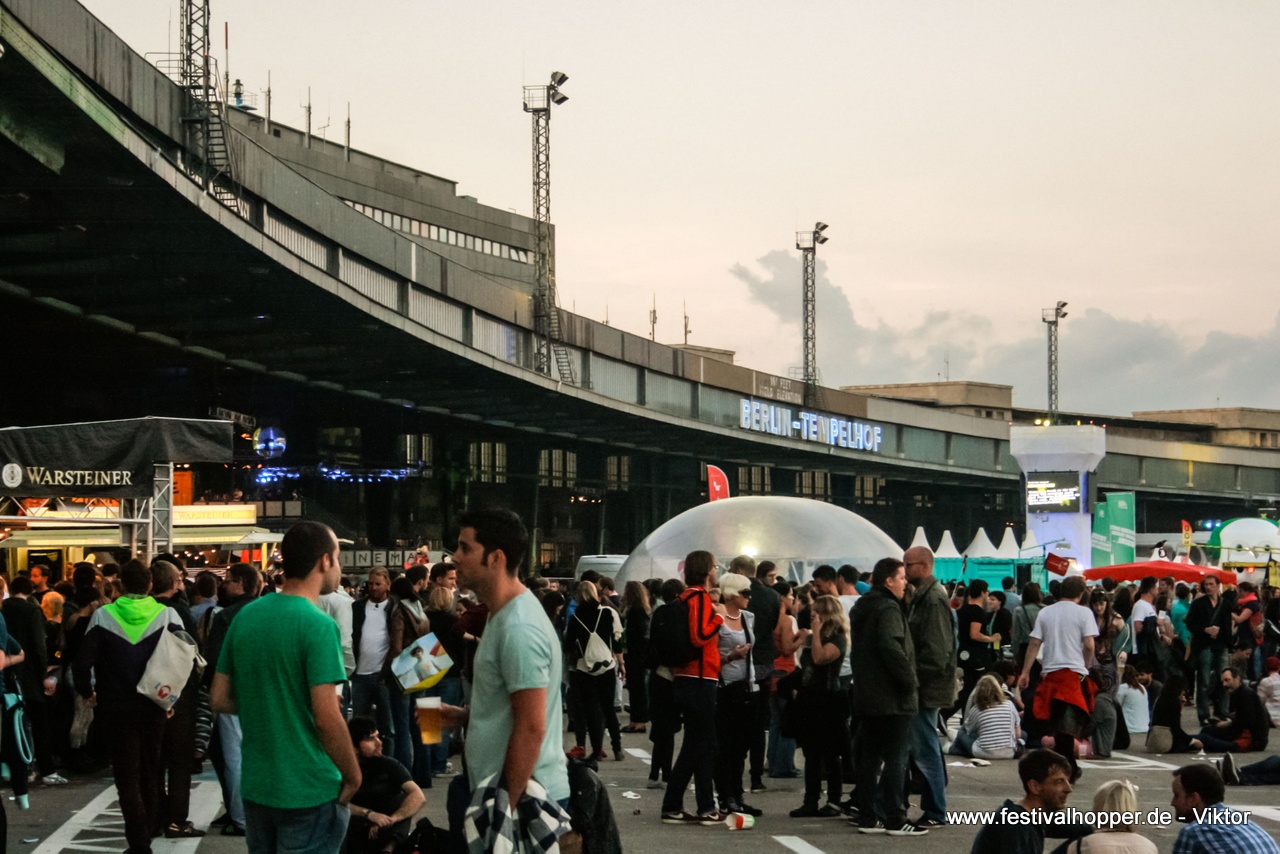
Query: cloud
point(1108, 364)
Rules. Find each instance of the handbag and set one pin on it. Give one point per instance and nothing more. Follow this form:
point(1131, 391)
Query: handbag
point(168, 668)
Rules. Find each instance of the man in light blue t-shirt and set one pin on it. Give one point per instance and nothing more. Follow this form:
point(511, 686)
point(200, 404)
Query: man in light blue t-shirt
point(514, 720)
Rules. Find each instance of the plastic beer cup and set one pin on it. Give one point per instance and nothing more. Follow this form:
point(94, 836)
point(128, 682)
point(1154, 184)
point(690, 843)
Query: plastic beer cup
point(429, 719)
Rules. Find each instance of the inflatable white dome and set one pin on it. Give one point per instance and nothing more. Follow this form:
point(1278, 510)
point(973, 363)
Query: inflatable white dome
point(797, 534)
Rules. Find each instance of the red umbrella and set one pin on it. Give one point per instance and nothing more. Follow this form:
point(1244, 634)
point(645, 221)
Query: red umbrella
point(1159, 568)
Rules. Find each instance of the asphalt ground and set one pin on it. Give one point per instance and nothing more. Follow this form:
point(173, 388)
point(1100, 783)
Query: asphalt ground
point(79, 816)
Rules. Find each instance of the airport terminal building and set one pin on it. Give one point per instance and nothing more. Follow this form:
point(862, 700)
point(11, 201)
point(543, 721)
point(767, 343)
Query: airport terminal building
point(380, 329)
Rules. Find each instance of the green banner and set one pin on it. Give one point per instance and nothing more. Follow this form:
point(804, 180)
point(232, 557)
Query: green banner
point(1101, 534)
point(1121, 508)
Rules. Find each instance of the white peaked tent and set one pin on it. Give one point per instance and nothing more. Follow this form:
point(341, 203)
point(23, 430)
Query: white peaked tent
point(981, 546)
point(948, 563)
point(1030, 546)
point(947, 547)
point(919, 539)
point(1008, 545)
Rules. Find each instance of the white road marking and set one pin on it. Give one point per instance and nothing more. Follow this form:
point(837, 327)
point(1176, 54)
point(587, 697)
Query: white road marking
point(1129, 762)
point(642, 755)
point(98, 825)
point(1269, 813)
point(796, 844)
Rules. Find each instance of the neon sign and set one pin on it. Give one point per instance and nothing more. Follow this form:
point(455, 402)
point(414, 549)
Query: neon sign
point(830, 430)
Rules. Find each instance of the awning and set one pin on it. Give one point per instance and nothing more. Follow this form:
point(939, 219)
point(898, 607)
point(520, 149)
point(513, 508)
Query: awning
point(219, 535)
point(41, 538)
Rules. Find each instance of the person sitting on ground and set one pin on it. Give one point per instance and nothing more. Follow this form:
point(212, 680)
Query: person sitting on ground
point(1264, 773)
point(1269, 690)
point(1131, 697)
point(1166, 734)
point(1245, 729)
point(1212, 826)
point(383, 808)
point(1046, 784)
point(1113, 800)
point(993, 721)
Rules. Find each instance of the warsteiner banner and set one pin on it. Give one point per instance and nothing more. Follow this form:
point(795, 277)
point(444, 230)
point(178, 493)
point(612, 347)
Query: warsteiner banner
point(104, 459)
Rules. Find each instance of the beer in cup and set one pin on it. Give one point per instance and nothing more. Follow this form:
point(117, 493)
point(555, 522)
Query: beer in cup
point(429, 719)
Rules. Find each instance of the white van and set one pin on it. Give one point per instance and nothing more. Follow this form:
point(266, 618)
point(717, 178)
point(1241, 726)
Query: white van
point(606, 565)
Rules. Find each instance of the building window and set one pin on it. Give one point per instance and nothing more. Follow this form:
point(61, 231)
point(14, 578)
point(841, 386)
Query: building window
point(814, 484)
point(754, 480)
point(489, 462)
point(557, 468)
point(868, 489)
point(618, 473)
point(417, 451)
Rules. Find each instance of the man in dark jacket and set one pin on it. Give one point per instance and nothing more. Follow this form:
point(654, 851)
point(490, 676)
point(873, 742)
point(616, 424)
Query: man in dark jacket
point(885, 696)
point(27, 626)
point(239, 589)
point(1247, 728)
point(119, 643)
point(180, 731)
point(933, 638)
point(372, 683)
point(1209, 623)
point(766, 605)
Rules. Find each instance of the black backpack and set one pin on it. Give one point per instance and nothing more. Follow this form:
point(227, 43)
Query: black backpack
point(669, 638)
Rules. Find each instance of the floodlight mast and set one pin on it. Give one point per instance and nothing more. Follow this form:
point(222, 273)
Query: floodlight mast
point(538, 101)
point(807, 242)
point(1051, 316)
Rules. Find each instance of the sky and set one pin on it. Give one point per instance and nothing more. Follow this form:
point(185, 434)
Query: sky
point(977, 162)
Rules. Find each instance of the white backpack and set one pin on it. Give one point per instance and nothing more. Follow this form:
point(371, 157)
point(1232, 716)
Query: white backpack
point(169, 667)
point(597, 657)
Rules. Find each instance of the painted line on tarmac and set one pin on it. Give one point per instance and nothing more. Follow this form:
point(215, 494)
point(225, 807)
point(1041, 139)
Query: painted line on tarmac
point(99, 827)
point(796, 844)
point(1128, 762)
point(642, 755)
point(1269, 813)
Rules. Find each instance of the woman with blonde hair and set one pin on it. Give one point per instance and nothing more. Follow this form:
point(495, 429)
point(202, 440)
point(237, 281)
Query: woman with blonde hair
point(992, 721)
point(1113, 800)
point(592, 680)
point(823, 708)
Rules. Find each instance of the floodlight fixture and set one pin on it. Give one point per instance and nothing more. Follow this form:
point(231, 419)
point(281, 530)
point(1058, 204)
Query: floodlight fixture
point(558, 78)
point(558, 97)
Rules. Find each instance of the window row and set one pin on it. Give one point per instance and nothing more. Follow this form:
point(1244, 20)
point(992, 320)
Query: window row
point(419, 228)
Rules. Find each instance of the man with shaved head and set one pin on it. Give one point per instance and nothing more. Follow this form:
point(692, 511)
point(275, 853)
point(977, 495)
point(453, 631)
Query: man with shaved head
point(930, 623)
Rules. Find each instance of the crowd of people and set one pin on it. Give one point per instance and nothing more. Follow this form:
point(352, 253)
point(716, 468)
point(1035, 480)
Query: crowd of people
point(857, 682)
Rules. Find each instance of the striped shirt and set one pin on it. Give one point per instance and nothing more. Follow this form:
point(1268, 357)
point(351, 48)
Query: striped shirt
point(994, 728)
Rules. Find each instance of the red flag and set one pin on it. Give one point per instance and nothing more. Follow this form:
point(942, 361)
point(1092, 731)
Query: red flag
point(717, 484)
point(1056, 563)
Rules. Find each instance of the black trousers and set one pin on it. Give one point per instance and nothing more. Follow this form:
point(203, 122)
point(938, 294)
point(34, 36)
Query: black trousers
point(593, 696)
point(177, 756)
point(883, 739)
point(665, 718)
point(637, 689)
point(137, 732)
point(760, 699)
point(736, 717)
point(696, 700)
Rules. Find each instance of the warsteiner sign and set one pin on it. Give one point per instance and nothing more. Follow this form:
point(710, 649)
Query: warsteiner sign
point(112, 459)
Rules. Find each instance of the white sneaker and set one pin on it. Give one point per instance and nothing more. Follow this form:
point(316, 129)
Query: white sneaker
point(54, 779)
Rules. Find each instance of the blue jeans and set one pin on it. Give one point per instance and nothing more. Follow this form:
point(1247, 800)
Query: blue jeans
point(230, 737)
point(782, 751)
point(1209, 664)
point(311, 830)
point(450, 692)
point(370, 697)
point(402, 711)
point(927, 754)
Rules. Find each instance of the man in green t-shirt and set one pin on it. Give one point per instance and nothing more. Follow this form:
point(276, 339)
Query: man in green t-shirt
point(515, 715)
point(278, 669)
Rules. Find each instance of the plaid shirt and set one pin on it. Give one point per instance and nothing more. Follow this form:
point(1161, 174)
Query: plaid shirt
point(534, 828)
point(1224, 838)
